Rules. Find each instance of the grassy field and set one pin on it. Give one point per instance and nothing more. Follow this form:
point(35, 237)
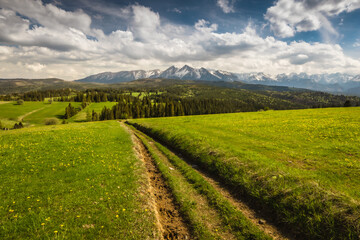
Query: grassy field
point(54, 110)
point(143, 94)
point(73, 181)
point(97, 107)
point(31, 112)
point(303, 164)
point(10, 112)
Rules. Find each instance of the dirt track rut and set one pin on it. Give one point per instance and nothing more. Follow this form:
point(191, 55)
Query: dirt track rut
point(169, 221)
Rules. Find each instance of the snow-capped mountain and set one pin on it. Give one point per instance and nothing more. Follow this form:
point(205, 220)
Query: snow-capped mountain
point(334, 82)
point(189, 73)
point(123, 76)
point(184, 73)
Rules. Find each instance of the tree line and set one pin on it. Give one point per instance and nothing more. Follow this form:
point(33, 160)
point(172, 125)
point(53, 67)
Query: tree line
point(133, 107)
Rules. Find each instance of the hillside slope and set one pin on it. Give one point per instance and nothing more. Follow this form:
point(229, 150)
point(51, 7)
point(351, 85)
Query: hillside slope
point(20, 85)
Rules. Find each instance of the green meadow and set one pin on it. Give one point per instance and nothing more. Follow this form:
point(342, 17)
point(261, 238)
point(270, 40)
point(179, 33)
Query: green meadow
point(97, 107)
point(302, 164)
point(72, 181)
point(31, 113)
point(54, 110)
point(11, 112)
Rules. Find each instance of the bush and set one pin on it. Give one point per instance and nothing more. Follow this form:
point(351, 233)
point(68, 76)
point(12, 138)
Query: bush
point(18, 125)
point(20, 102)
point(51, 121)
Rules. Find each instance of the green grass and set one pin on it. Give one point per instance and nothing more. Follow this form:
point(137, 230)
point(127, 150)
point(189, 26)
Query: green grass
point(6, 123)
point(97, 107)
point(12, 111)
point(143, 94)
point(303, 165)
point(73, 181)
point(54, 110)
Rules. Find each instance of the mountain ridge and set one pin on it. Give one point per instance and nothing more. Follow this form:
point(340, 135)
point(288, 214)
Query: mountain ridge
point(340, 83)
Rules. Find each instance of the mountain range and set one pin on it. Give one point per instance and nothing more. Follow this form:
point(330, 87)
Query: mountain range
point(340, 83)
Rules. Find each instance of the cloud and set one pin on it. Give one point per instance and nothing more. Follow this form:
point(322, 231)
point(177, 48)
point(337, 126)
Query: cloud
point(73, 50)
point(36, 67)
point(176, 10)
point(357, 43)
point(49, 15)
point(17, 30)
point(288, 17)
point(226, 6)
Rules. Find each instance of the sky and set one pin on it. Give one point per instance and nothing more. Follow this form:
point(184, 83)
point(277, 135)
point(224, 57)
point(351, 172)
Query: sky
point(71, 39)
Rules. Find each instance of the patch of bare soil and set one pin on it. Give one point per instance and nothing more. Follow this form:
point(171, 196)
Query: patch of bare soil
point(170, 222)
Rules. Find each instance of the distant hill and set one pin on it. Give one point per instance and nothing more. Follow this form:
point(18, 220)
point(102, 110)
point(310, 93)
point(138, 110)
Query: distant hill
point(255, 95)
point(20, 85)
point(339, 83)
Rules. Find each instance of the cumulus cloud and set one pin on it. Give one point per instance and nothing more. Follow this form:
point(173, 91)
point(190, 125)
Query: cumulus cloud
point(287, 17)
point(44, 25)
point(49, 15)
point(36, 67)
point(226, 5)
point(77, 50)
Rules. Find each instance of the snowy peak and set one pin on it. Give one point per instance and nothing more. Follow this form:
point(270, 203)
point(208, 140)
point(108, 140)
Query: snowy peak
point(123, 76)
point(184, 73)
point(168, 72)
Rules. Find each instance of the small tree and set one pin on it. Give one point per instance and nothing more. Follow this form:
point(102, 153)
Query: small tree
point(84, 104)
point(347, 103)
point(51, 121)
point(20, 102)
point(88, 116)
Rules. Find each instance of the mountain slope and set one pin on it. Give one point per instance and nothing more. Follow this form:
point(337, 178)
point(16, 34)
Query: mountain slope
point(184, 73)
point(20, 85)
point(123, 76)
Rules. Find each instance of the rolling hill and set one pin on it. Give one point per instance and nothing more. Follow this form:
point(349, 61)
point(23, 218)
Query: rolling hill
point(20, 85)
